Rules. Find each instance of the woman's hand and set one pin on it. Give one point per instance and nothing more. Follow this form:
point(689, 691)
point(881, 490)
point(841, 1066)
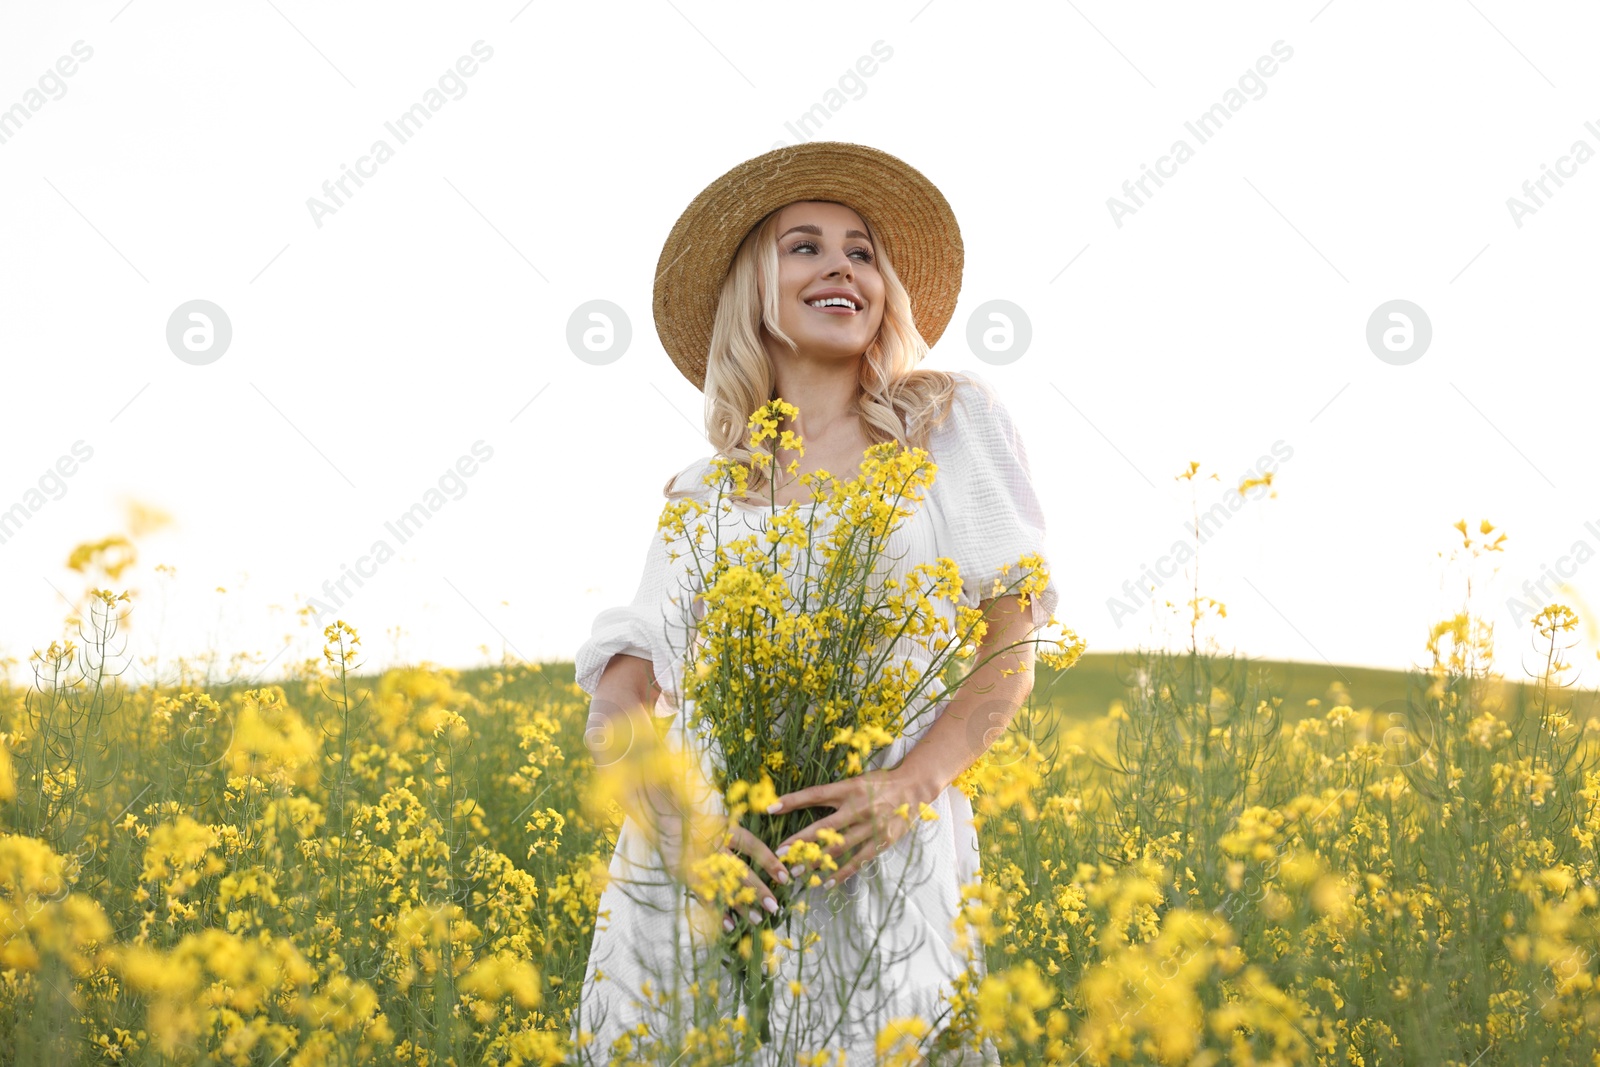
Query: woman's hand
point(871, 811)
point(742, 842)
point(685, 835)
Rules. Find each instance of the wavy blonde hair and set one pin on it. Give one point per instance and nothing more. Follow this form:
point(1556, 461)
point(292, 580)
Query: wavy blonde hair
point(897, 400)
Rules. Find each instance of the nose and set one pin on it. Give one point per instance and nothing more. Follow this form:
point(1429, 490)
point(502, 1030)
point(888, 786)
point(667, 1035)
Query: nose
point(842, 267)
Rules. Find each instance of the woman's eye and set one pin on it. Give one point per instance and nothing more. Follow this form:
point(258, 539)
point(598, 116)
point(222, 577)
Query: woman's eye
point(798, 245)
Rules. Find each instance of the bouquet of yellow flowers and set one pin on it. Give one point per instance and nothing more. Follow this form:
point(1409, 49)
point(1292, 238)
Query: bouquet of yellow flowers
point(797, 675)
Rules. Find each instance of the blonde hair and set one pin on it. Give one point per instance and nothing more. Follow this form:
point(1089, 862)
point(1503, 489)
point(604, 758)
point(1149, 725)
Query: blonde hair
point(897, 400)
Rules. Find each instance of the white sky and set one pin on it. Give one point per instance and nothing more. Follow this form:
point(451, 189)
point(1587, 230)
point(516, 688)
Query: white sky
point(430, 311)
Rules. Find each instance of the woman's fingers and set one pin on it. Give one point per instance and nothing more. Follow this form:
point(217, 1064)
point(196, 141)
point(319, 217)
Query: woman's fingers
point(740, 840)
point(765, 901)
point(860, 847)
point(825, 793)
point(765, 904)
point(854, 837)
point(748, 844)
point(835, 822)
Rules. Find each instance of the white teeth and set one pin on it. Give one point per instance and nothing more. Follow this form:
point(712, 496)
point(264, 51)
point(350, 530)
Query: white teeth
point(833, 301)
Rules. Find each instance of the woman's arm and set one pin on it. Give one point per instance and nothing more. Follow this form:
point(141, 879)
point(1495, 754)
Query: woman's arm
point(619, 726)
point(621, 736)
point(983, 706)
point(628, 682)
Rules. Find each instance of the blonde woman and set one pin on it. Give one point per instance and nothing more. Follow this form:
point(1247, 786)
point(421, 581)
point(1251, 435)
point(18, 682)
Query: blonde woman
point(820, 274)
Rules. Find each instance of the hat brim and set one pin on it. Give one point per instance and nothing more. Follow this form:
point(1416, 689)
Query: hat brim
point(910, 218)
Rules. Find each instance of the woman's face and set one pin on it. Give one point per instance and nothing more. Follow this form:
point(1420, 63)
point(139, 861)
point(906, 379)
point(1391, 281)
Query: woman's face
point(824, 252)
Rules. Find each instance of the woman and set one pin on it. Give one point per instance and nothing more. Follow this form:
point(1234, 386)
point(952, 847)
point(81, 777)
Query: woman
point(821, 273)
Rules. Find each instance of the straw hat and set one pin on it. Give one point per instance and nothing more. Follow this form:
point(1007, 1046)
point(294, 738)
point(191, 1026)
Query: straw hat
point(908, 216)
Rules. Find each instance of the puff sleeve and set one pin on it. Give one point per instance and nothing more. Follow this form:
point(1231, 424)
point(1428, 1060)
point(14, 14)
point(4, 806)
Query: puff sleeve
point(654, 626)
point(989, 513)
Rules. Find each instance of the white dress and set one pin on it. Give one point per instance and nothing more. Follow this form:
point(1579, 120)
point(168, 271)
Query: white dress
point(981, 511)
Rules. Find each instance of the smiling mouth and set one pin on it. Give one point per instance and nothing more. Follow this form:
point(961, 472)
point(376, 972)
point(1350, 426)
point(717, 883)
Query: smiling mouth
point(833, 309)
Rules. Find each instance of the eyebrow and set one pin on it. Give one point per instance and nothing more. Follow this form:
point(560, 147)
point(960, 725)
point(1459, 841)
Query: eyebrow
point(806, 227)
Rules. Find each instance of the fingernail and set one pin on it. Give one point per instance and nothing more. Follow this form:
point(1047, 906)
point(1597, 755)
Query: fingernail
point(770, 904)
point(797, 870)
point(727, 924)
point(783, 876)
point(756, 917)
point(775, 807)
point(828, 884)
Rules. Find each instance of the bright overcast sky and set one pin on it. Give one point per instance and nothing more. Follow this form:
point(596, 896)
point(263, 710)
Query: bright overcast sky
point(158, 153)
